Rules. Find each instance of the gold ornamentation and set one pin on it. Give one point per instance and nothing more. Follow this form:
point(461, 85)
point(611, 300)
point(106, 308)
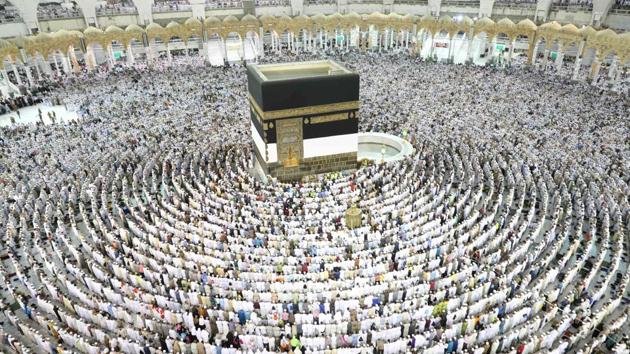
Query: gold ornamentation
point(303, 111)
point(289, 141)
point(605, 42)
point(329, 118)
point(292, 160)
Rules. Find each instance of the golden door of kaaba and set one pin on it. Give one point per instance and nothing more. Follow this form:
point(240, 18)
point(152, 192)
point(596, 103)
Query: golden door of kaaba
point(289, 137)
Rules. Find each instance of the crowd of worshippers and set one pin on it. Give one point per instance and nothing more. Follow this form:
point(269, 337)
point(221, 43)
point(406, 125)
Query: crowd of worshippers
point(31, 96)
point(51, 10)
point(203, 258)
point(622, 4)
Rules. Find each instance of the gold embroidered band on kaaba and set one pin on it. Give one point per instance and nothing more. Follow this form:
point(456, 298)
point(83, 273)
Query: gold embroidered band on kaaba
point(303, 111)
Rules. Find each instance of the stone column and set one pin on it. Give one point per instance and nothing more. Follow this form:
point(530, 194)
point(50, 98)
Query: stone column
point(470, 40)
point(39, 73)
point(321, 39)
point(618, 75)
point(28, 12)
point(485, 8)
point(198, 9)
point(576, 67)
point(88, 7)
point(243, 47)
point(560, 59)
point(54, 55)
point(5, 76)
point(112, 58)
point(145, 11)
point(511, 51)
point(532, 51)
point(261, 45)
point(542, 10)
point(130, 59)
point(381, 40)
point(65, 63)
point(47, 66)
point(545, 58)
point(17, 74)
point(29, 76)
point(297, 7)
point(595, 67)
point(613, 67)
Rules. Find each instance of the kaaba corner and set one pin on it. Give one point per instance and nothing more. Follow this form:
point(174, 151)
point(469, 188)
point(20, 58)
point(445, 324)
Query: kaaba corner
point(304, 117)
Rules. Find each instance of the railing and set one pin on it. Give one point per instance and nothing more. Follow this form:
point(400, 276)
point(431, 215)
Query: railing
point(236, 4)
point(273, 2)
point(365, 2)
point(521, 5)
point(108, 11)
point(57, 13)
point(471, 3)
point(412, 2)
point(10, 19)
point(571, 7)
point(171, 7)
point(625, 10)
point(320, 2)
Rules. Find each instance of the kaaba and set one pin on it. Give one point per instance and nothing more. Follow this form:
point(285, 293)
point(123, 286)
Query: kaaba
point(304, 117)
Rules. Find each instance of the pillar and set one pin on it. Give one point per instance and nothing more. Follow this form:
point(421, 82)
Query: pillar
point(198, 8)
point(54, 55)
point(145, 11)
point(65, 63)
point(17, 74)
point(491, 39)
point(261, 35)
point(39, 73)
point(242, 53)
point(73, 59)
point(470, 40)
point(88, 7)
point(112, 58)
point(485, 8)
point(511, 51)
point(28, 12)
point(576, 67)
point(546, 57)
point(130, 59)
point(29, 75)
point(531, 51)
point(613, 67)
point(559, 58)
point(618, 75)
point(595, 67)
point(4, 74)
point(224, 51)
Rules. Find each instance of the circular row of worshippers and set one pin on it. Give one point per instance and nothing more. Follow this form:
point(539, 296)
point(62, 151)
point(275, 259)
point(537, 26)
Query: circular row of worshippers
point(458, 253)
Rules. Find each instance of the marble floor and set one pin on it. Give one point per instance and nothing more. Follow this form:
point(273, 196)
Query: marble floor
point(28, 115)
